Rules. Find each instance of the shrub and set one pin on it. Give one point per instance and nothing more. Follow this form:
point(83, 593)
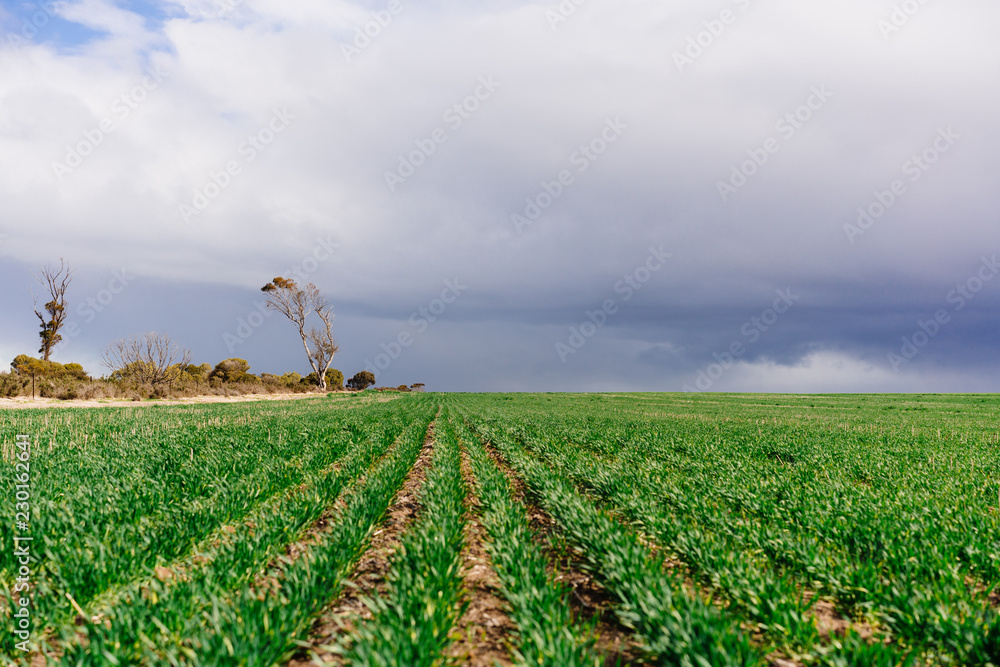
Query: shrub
point(334, 379)
point(361, 381)
point(68, 393)
point(133, 372)
point(95, 390)
point(12, 384)
point(199, 374)
point(232, 370)
point(75, 371)
point(25, 365)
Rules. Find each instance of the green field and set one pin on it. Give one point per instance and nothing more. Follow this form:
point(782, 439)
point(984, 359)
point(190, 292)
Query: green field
point(703, 530)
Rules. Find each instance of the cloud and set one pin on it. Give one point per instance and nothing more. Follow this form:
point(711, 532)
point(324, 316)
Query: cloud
point(175, 107)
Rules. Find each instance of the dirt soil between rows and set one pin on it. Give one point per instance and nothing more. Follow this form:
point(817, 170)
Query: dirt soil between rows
point(588, 599)
point(369, 576)
point(485, 631)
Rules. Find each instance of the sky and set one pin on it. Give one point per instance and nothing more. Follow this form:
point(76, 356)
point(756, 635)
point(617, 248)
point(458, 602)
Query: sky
point(586, 195)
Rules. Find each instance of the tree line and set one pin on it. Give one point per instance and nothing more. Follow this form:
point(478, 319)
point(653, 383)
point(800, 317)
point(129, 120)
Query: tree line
point(153, 363)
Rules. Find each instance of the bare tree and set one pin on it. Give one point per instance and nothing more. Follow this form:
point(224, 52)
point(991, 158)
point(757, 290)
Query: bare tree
point(53, 315)
point(149, 358)
point(296, 303)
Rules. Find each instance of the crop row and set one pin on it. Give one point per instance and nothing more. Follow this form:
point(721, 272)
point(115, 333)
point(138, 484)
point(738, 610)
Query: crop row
point(412, 621)
point(258, 625)
point(548, 634)
point(719, 526)
point(153, 619)
point(106, 511)
point(673, 623)
point(694, 501)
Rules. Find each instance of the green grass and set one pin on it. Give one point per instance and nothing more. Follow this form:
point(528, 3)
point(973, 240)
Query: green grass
point(539, 604)
point(713, 521)
point(411, 623)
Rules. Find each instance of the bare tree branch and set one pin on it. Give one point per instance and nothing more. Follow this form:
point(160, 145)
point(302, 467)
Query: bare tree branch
point(150, 358)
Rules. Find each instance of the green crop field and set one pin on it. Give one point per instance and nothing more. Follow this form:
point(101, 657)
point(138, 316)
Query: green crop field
point(530, 529)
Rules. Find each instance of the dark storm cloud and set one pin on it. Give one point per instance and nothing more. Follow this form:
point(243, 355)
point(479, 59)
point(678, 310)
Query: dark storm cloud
point(843, 152)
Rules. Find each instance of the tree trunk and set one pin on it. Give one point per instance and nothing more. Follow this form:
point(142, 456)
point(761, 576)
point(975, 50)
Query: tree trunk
point(312, 364)
point(329, 362)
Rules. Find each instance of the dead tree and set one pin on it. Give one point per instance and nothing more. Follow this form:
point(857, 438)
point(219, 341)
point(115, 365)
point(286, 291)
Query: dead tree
point(53, 314)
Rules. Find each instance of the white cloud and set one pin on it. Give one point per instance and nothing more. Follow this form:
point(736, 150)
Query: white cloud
point(228, 64)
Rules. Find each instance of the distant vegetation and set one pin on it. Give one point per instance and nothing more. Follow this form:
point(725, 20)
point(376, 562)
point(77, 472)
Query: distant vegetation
point(137, 380)
point(230, 377)
point(152, 365)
